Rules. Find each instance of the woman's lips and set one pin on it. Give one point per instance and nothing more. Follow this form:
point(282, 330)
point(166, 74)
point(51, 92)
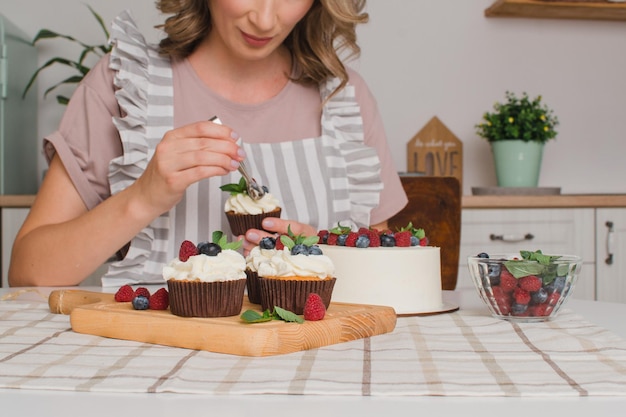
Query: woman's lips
point(255, 41)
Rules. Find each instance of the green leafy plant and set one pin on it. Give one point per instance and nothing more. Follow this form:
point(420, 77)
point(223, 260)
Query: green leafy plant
point(518, 118)
point(79, 65)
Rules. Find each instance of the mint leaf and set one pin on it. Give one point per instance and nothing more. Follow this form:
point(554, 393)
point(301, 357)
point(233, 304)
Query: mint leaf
point(239, 188)
point(287, 315)
point(251, 316)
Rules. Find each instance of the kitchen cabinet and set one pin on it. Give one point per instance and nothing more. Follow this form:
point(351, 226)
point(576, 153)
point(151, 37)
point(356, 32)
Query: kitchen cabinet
point(611, 254)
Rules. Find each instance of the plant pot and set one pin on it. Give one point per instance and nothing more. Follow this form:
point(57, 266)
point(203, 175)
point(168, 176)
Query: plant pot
point(517, 162)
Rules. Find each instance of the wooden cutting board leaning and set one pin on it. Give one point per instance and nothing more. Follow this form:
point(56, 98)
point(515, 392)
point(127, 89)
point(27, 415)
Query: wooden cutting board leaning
point(99, 314)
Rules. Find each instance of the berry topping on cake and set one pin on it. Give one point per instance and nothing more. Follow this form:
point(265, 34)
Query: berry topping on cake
point(187, 249)
point(297, 244)
point(372, 238)
point(314, 308)
point(219, 242)
point(125, 294)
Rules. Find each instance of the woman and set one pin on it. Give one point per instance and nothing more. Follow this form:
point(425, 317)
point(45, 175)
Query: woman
point(136, 165)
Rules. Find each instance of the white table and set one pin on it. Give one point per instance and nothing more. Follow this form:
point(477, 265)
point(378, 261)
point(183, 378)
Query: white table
point(33, 402)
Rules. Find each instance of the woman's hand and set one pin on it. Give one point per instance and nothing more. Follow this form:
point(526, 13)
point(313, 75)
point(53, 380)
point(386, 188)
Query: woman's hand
point(184, 156)
point(275, 226)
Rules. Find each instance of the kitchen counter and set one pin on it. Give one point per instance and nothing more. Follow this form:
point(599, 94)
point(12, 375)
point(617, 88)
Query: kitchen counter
point(544, 201)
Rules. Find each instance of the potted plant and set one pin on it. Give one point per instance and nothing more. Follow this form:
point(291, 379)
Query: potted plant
point(79, 65)
point(517, 131)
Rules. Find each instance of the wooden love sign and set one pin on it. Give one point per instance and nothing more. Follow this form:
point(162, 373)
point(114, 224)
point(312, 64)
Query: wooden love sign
point(435, 152)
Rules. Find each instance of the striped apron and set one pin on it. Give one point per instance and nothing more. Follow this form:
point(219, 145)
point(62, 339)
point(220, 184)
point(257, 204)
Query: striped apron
point(318, 181)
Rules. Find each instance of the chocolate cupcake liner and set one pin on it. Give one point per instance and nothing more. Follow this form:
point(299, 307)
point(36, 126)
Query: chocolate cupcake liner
point(252, 284)
point(291, 295)
point(206, 299)
point(240, 223)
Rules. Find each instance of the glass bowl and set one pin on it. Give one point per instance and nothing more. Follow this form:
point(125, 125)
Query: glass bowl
point(524, 287)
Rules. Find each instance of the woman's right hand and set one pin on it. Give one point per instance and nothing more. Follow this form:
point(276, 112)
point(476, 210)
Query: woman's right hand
point(184, 156)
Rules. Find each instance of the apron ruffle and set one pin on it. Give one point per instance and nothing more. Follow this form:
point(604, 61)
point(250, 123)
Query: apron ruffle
point(342, 120)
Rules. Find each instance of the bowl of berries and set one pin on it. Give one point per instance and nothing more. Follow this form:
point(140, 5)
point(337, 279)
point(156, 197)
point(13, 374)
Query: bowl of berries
point(524, 287)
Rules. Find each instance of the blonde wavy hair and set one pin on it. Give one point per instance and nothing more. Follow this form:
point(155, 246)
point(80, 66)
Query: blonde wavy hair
point(316, 43)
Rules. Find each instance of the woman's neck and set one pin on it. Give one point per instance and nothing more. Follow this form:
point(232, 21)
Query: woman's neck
point(238, 80)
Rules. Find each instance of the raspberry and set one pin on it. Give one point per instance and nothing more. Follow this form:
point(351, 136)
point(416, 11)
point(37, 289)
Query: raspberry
point(553, 298)
point(403, 239)
point(142, 291)
point(521, 296)
point(538, 310)
point(332, 239)
point(160, 300)
point(351, 240)
point(507, 281)
point(314, 308)
point(323, 235)
point(374, 238)
point(124, 294)
point(424, 241)
point(531, 283)
point(504, 304)
point(187, 249)
point(279, 244)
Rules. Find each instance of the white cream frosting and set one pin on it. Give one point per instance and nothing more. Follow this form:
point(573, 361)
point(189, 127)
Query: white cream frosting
point(228, 265)
point(281, 263)
point(244, 204)
point(258, 256)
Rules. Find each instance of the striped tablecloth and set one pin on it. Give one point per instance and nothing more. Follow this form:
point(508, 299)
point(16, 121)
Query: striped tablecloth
point(464, 353)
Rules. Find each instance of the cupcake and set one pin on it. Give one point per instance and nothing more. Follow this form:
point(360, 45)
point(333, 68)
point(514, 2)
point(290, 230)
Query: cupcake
point(207, 280)
point(243, 212)
point(260, 254)
point(296, 268)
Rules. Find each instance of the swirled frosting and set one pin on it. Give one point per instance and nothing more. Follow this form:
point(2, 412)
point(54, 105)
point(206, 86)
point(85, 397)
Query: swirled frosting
point(228, 265)
point(281, 263)
point(244, 204)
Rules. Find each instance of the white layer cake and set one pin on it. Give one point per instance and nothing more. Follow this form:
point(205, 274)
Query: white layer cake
point(405, 278)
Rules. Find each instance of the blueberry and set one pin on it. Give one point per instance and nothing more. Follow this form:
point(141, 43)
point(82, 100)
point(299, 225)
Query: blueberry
point(299, 249)
point(264, 188)
point(538, 297)
point(363, 241)
point(209, 249)
point(483, 255)
point(415, 241)
point(267, 243)
point(341, 240)
point(324, 238)
point(556, 286)
point(517, 309)
point(387, 241)
point(141, 303)
point(493, 273)
point(315, 250)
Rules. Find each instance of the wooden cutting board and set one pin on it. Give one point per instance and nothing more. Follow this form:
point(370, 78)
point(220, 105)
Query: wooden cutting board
point(99, 314)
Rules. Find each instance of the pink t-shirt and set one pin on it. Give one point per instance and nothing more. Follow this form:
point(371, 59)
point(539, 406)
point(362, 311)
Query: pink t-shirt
point(87, 139)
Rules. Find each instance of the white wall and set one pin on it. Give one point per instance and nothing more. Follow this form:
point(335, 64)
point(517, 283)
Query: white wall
point(425, 58)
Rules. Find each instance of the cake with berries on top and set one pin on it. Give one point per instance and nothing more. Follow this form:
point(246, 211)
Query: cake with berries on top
point(243, 212)
point(207, 279)
point(294, 268)
point(392, 268)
